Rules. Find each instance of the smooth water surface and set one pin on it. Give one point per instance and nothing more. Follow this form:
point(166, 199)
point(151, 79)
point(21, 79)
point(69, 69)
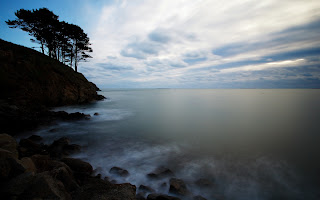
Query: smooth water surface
point(253, 144)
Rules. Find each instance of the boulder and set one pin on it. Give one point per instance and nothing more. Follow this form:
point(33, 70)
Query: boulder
point(161, 197)
point(160, 172)
point(178, 187)
point(78, 165)
point(145, 189)
point(16, 186)
point(28, 148)
point(119, 171)
point(28, 164)
point(44, 186)
point(95, 114)
point(66, 177)
point(35, 138)
point(61, 147)
point(8, 143)
point(99, 189)
point(45, 163)
point(9, 168)
point(71, 149)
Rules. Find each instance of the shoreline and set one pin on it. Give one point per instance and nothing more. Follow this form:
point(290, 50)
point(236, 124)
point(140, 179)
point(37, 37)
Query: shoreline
point(36, 170)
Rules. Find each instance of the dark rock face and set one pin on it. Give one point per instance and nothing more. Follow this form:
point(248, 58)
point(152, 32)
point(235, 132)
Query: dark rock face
point(161, 197)
point(31, 78)
point(30, 82)
point(178, 187)
point(9, 143)
point(119, 171)
point(160, 172)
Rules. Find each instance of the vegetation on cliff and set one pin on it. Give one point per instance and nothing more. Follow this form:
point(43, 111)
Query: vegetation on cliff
point(60, 40)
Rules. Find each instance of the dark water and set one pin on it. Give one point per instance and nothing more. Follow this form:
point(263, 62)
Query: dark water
point(253, 144)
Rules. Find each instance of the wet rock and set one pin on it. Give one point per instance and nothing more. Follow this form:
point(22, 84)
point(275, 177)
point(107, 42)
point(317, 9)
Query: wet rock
point(119, 171)
point(8, 143)
point(95, 114)
point(99, 189)
point(28, 148)
point(160, 172)
point(140, 196)
point(35, 138)
point(45, 163)
point(43, 186)
point(71, 149)
point(145, 189)
point(178, 187)
point(16, 186)
point(198, 197)
point(78, 165)
point(161, 197)
point(9, 166)
point(28, 164)
point(66, 177)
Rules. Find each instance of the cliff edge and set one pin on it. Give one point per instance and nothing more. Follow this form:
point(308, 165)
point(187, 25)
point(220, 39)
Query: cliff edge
point(31, 82)
point(28, 78)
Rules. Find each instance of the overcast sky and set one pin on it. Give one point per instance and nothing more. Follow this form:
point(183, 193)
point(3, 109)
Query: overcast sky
point(191, 43)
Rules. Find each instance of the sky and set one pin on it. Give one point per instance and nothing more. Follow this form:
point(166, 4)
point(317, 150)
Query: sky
point(190, 43)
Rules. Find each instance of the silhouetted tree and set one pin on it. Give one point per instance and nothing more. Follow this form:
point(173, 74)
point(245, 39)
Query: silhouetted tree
point(65, 42)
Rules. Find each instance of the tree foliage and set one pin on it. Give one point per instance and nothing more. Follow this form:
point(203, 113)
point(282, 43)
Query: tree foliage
point(58, 39)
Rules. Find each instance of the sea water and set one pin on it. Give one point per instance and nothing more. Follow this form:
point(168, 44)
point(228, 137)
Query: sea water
point(250, 143)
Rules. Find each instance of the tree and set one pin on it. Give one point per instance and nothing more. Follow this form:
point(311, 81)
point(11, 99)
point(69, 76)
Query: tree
point(64, 42)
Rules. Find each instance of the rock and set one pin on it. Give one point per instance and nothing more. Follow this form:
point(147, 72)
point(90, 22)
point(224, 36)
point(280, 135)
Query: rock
point(160, 172)
point(140, 196)
point(99, 189)
point(178, 187)
point(198, 197)
point(204, 183)
point(16, 186)
point(96, 114)
point(161, 197)
point(8, 143)
point(66, 177)
point(78, 165)
point(71, 149)
point(146, 189)
point(43, 186)
point(28, 148)
point(56, 149)
point(10, 167)
point(28, 164)
point(61, 142)
point(119, 171)
point(35, 138)
point(45, 163)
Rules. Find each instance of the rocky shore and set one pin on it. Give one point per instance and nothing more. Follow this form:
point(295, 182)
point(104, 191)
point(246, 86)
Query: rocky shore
point(31, 84)
point(33, 170)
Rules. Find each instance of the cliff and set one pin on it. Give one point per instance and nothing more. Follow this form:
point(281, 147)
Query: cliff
point(28, 77)
point(31, 82)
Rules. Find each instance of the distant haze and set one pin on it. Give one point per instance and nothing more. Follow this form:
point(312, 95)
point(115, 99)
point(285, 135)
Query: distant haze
point(191, 43)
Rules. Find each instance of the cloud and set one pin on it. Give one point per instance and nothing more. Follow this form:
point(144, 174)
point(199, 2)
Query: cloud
point(207, 43)
point(159, 35)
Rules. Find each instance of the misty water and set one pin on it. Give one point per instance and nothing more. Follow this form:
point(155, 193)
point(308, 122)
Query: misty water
point(252, 144)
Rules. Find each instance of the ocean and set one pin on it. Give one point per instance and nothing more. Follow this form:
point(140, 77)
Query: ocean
point(249, 143)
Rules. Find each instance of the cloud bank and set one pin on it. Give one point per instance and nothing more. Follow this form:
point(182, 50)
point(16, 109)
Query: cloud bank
point(205, 44)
